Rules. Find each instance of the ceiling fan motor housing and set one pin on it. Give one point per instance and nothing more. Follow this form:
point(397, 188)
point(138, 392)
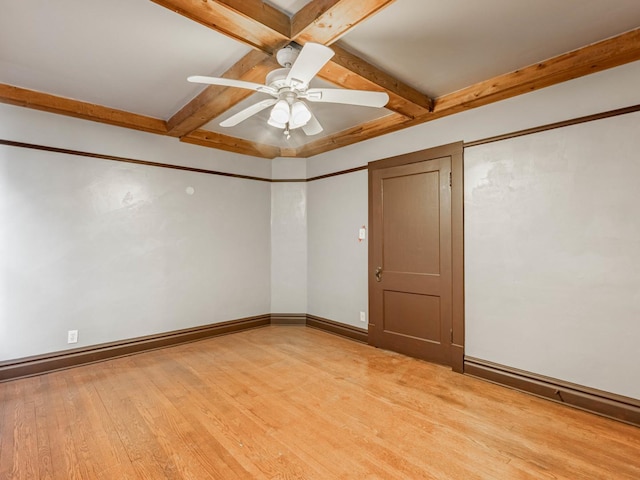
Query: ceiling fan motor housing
point(278, 78)
point(287, 56)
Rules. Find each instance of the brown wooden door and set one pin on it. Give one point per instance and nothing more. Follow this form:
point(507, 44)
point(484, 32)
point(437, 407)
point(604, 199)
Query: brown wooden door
point(410, 261)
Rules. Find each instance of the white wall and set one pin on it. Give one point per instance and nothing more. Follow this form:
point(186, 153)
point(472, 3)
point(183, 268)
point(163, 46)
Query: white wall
point(31, 126)
point(289, 237)
point(119, 250)
point(589, 359)
point(337, 280)
point(552, 248)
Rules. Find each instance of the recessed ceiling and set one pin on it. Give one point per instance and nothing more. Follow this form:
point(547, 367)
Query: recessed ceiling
point(125, 62)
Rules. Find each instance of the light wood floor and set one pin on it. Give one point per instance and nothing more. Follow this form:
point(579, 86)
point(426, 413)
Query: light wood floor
point(293, 402)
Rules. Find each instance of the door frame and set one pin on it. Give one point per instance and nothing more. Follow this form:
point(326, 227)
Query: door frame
point(455, 152)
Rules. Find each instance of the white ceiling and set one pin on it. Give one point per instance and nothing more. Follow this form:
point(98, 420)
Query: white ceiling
point(135, 55)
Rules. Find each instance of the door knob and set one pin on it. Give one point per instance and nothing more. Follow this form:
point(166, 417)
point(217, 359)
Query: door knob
point(378, 274)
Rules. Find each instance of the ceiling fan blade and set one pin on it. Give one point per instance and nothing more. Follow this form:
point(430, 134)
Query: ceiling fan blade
point(230, 82)
point(242, 115)
point(312, 127)
point(349, 97)
point(311, 59)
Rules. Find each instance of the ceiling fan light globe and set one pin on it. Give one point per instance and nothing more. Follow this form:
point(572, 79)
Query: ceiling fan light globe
point(273, 123)
point(300, 115)
point(281, 112)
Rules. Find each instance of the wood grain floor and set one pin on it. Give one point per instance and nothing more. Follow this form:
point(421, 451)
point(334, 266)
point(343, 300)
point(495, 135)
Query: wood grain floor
point(286, 402)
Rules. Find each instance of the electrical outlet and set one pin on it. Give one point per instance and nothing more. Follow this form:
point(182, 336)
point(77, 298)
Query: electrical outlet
point(72, 336)
point(363, 317)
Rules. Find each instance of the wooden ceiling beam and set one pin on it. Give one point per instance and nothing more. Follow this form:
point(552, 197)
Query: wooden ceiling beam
point(205, 138)
point(593, 58)
point(251, 22)
point(215, 100)
point(325, 21)
point(349, 71)
point(74, 108)
point(373, 128)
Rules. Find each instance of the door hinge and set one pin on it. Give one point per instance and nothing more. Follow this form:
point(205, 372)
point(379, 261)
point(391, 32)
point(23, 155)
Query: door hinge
point(451, 335)
point(450, 180)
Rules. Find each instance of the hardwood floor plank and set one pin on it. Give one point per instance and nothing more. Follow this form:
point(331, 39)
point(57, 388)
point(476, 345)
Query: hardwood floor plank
point(287, 402)
point(18, 444)
point(45, 426)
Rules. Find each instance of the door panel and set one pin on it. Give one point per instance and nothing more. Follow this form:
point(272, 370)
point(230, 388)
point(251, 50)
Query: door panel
point(408, 314)
point(411, 246)
point(411, 304)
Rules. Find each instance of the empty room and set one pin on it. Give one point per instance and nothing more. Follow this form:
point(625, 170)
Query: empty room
point(320, 239)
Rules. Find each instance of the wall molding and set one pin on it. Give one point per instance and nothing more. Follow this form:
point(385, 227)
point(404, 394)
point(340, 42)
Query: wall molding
point(113, 158)
point(603, 403)
point(342, 329)
point(50, 362)
point(552, 126)
point(288, 319)
point(39, 364)
point(475, 143)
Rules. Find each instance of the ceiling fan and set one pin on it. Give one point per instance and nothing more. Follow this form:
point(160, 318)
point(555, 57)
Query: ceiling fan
point(289, 87)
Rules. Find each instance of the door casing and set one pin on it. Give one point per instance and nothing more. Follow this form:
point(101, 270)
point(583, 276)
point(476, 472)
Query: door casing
point(455, 152)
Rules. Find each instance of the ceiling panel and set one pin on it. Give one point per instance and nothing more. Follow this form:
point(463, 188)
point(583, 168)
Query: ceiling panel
point(440, 46)
point(130, 55)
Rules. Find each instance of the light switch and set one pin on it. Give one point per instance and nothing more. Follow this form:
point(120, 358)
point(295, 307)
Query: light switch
point(362, 233)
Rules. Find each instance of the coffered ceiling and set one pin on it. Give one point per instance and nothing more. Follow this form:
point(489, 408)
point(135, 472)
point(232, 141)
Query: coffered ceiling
point(125, 62)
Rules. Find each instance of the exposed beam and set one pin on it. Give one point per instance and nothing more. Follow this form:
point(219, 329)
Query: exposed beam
point(262, 12)
point(373, 128)
point(231, 144)
point(288, 152)
point(215, 100)
point(349, 71)
point(252, 22)
point(593, 58)
point(75, 108)
point(325, 21)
